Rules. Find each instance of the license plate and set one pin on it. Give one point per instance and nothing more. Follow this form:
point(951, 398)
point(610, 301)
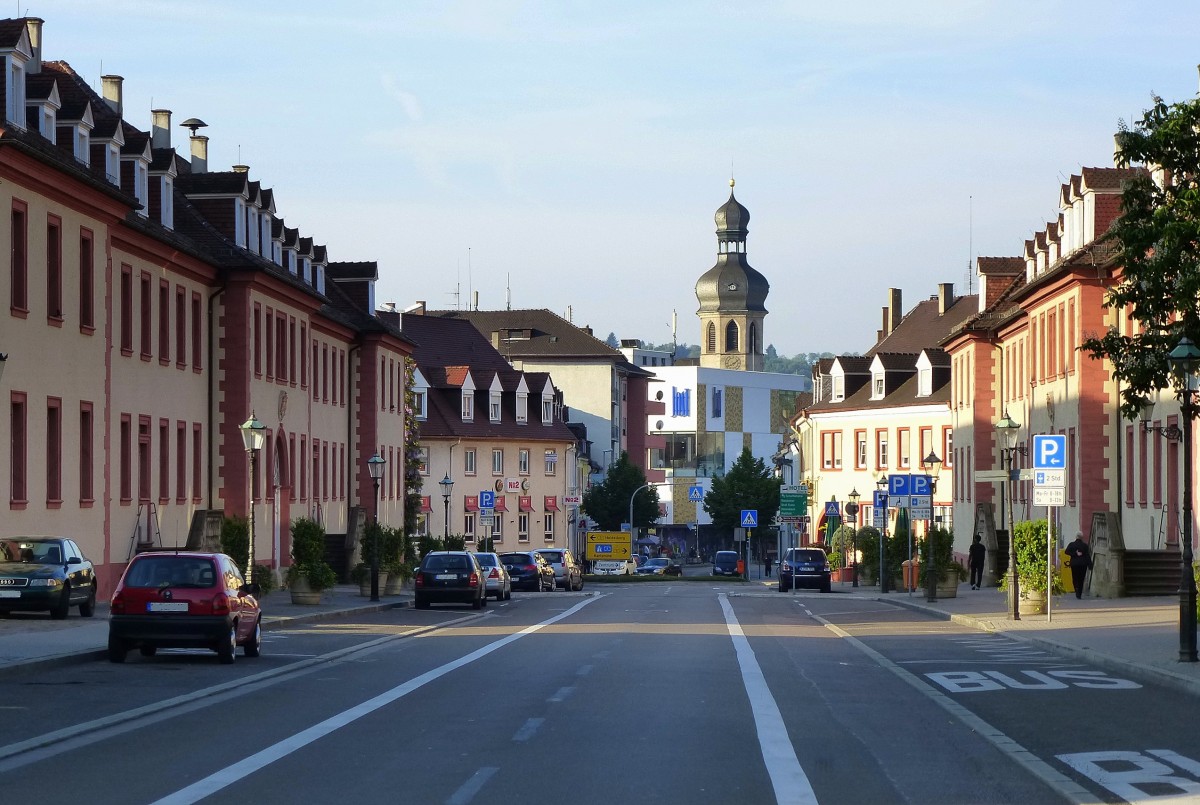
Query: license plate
point(10, 593)
point(167, 606)
point(446, 576)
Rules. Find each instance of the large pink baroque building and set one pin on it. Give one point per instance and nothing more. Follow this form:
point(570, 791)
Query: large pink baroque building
point(153, 306)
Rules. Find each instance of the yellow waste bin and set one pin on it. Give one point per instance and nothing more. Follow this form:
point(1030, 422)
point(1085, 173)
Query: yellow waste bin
point(1064, 573)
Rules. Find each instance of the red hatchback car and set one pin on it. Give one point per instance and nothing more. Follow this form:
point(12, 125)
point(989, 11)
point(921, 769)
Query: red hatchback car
point(184, 600)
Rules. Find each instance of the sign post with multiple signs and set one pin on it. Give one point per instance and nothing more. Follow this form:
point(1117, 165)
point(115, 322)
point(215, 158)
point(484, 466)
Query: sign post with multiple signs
point(1049, 490)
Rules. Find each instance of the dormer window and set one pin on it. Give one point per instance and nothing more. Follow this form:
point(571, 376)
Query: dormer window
point(924, 381)
point(877, 386)
point(320, 279)
point(839, 388)
point(83, 145)
point(141, 185)
point(168, 202)
point(547, 409)
point(306, 270)
point(112, 163)
point(468, 405)
point(14, 94)
point(494, 406)
point(522, 407)
point(419, 405)
point(239, 222)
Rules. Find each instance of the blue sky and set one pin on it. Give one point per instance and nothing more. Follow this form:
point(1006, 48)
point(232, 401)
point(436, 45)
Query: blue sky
point(574, 152)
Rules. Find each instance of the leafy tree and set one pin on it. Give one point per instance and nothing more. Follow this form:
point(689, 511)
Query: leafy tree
point(608, 501)
point(1157, 244)
point(749, 484)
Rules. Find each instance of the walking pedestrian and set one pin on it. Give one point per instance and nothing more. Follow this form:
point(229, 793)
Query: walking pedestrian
point(976, 556)
point(1080, 560)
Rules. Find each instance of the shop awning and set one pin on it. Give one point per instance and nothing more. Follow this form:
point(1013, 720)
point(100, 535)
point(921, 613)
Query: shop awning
point(550, 503)
point(471, 503)
point(426, 505)
point(525, 503)
point(501, 506)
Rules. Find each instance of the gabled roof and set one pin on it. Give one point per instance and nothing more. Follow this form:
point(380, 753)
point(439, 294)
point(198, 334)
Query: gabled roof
point(897, 360)
point(924, 326)
point(360, 270)
point(216, 183)
point(854, 364)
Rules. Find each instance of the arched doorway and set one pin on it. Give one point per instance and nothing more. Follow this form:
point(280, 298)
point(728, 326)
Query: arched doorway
point(282, 485)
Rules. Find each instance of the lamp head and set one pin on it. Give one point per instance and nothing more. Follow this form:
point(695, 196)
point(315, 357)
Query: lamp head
point(375, 466)
point(1007, 428)
point(254, 433)
point(854, 496)
point(1146, 409)
point(447, 485)
point(932, 464)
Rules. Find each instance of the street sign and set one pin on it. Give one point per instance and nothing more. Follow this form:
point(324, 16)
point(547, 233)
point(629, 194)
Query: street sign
point(487, 499)
point(1049, 452)
point(696, 493)
point(920, 485)
point(879, 499)
point(898, 485)
point(991, 475)
point(485, 517)
point(1049, 478)
point(608, 545)
point(749, 518)
point(879, 508)
point(920, 507)
point(572, 500)
point(833, 508)
point(1049, 496)
point(793, 500)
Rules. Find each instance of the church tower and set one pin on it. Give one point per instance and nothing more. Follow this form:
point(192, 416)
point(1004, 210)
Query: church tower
point(732, 297)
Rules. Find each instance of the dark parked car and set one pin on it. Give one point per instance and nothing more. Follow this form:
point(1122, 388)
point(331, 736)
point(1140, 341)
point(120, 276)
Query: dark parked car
point(567, 572)
point(529, 571)
point(661, 566)
point(45, 573)
point(804, 567)
point(184, 600)
point(725, 563)
point(453, 576)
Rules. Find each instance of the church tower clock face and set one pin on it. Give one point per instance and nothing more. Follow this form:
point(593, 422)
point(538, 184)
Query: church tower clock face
point(733, 362)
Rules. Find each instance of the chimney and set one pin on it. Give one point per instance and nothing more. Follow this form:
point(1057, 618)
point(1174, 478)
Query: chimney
point(34, 26)
point(895, 310)
point(199, 153)
point(587, 329)
point(241, 168)
point(110, 86)
point(160, 128)
point(945, 297)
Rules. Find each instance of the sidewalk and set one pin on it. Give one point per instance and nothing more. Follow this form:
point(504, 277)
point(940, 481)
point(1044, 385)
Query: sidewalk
point(1118, 635)
point(33, 640)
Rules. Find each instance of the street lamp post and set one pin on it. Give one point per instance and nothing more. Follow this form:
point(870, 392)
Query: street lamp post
point(1185, 360)
point(1008, 429)
point(447, 485)
point(881, 482)
point(933, 467)
point(852, 515)
point(254, 435)
point(375, 468)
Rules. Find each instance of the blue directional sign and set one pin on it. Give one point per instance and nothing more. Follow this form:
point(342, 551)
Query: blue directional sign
point(749, 518)
point(487, 499)
point(920, 485)
point(833, 508)
point(696, 493)
point(1049, 451)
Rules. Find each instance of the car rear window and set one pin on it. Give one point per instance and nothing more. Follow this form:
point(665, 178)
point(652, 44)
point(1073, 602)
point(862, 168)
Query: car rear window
point(172, 571)
point(515, 558)
point(810, 555)
point(486, 559)
point(726, 556)
point(551, 556)
point(446, 563)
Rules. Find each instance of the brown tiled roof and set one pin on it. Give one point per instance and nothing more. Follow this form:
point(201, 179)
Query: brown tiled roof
point(10, 32)
point(214, 182)
point(1108, 178)
point(854, 364)
point(360, 270)
point(542, 333)
point(897, 360)
point(1004, 266)
point(904, 394)
point(924, 326)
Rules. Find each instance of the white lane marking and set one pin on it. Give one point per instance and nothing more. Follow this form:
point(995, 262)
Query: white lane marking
point(787, 777)
point(562, 694)
point(231, 774)
point(528, 729)
point(1064, 785)
point(471, 787)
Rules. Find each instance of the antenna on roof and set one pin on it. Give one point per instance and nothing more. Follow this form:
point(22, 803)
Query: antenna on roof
point(470, 280)
point(508, 291)
point(970, 244)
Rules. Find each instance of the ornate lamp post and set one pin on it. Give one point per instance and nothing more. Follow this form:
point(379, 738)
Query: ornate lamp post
point(447, 485)
point(1008, 428)
point(1184, 361)
point(375, 467)
point(254, 435)
point(881, 481)
point(933, 468)
point(852, 516)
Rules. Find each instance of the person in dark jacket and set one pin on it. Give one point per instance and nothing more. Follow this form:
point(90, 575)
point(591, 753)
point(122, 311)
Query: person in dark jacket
point(976, 557)
point(1080, 559)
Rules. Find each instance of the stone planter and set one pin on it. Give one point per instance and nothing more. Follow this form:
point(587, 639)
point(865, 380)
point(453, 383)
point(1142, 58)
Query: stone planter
point(844, 574)
point(1032, 603)
point(947, 586)
point(302, 593)
point(364, 586)
point(395, 584)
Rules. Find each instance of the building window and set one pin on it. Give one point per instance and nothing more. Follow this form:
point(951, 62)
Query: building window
point(164, 460)
point(881, 449)
point(468, 405)
point(904, 437)
point(54, 283)
point(126, 458)
point(54, 451)
point(497, 528)
point(877, 387)
point(143, 459)
point(197, 458)
point(523, 461)
point(681, 402)
point(497, 462)
point(860, 450)
point(716, 403)
point(547, 410)
point(19, 267)
point(126, 310)
point(269, 347)
point(494, 406)
point(948, 446)
point(145, 306)
point(839, 388)
point(164, 322)
point(180, 326)
point(831, 450)
point(522, 407)
point(469, 461)
point(551, 461)
point(469, 526)
point(710, 338)
point(731, 337)
point(523, 527)
point(419, 405)
point(18, 489)
point(181, 489)
point(548, 526)
point(86, 436)
point(197, 334)
point(87, 281)
point(303, 355)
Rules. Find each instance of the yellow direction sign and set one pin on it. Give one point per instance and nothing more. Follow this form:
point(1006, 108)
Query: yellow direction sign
point(602, 545)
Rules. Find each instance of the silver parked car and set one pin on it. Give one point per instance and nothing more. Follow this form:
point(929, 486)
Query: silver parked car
point(499, 583)
point(567, 573)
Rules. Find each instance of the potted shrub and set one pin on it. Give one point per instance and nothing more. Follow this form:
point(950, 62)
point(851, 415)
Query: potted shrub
point(840, 561)
point(868, 547)
point(366, 544)
point(1030, 544)
point(949, 572)
point(309, 574)
point(394, 560)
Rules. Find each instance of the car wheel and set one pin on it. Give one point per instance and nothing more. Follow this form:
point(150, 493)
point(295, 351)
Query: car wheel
point(421, 603)
point(484, 602)
point(253, 646)
point(478, 603)
point(227, 647)
point(60, 610)
point(117, 649)
point(825, 587)
point(88, 607)
point(508, 594)
point(147, 650)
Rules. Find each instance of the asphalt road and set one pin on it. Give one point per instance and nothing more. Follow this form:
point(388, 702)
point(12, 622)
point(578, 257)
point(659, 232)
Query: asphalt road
point(662, 692)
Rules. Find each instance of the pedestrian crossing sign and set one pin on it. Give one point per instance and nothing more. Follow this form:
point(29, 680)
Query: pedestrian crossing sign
point(695, 493)
point(749, 518)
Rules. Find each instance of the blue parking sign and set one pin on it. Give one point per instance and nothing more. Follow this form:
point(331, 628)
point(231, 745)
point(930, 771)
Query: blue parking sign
point(487, 499)
point(1049, 451)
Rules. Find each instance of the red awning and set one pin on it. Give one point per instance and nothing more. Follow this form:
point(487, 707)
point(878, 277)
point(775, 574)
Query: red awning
point(471, 503)
point(550, 503)
point(426, 505)
point(501, 506)
point(525, 503)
